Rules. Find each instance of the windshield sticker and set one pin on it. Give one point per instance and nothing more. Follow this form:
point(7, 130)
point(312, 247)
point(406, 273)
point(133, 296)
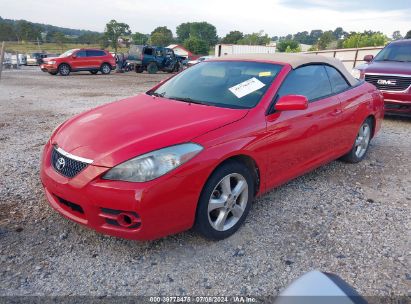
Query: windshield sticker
point(264, 74)
point(242, 89)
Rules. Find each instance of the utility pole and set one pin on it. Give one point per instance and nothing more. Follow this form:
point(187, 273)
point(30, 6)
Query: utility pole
point(1, 57)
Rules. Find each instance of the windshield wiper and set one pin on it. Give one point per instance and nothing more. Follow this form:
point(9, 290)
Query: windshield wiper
point(393, 60)
point(157, 94)
point(188, 99)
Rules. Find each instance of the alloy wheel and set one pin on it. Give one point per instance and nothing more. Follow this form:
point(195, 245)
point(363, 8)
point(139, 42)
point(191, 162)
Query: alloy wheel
point(106, 69)
point(64, 70)
point(228, 202)
point(362, 141)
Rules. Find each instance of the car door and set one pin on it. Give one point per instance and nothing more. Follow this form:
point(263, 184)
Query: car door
point(80, 60)
point(92, 58)
point(303, 139)
point(351, 101)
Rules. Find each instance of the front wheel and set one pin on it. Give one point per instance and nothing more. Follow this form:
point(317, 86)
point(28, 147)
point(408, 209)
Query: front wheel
point(152, 68)
point(361, 144)
point(64, 69)
point(53, 73)
point(105, 69)
point(225, 201)
point(94, 72)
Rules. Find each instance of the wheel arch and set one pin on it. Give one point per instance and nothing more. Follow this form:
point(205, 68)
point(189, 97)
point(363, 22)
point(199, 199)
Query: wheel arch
point(374, 122)
point(61, 63)
point(249, 162)
point(105, 62)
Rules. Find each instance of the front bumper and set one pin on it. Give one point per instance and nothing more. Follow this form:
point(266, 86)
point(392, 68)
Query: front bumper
point(48, 67)
point(397, 103)
point(160, 207)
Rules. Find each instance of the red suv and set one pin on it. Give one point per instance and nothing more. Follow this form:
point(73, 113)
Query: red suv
point(390, 72)
point(76, 60)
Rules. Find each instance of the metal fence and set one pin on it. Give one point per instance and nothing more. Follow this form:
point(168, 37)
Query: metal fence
point(350, 57)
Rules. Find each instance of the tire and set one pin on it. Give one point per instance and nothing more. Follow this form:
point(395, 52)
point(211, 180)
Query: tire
point(64, 69)
point(178, 67)
point(105, 69)
point(94, 72)
point(139, 69)
point(219, 222)
point(361, 144)
point(152, 68)
point(53, 73)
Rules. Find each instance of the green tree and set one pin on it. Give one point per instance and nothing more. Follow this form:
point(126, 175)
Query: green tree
point(290, 50)
point(408, 35)
point(161, 36)
point(196, 46)
point(233, 37)
point(325, 39)
point(201, 30)
point(113, 31)
point(339, 33)
point(89, 38)
point(139, 38)
point(59, 39)
point(397, 35)
point(255, 39)
point(292, 45)
point(302, 37)
point(315, 36)
point(27, 31)
point(7, 32)
point(357, 40)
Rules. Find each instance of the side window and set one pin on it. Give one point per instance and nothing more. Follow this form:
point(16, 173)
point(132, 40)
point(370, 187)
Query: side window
point(81, 54)
point(310, 81)
point(159, 53)
point(148, 51)
point(95, 53)
point(338, 82)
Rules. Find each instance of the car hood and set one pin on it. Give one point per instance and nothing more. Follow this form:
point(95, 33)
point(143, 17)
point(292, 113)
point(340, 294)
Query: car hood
point(49, 59)
point(121, 130)
point(388, 67)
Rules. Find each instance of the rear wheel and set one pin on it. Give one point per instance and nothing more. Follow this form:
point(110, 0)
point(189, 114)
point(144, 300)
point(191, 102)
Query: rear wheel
point(105, 69)
point(361, 144)
point(152, 68)
point(225, 201)
point(64, 69)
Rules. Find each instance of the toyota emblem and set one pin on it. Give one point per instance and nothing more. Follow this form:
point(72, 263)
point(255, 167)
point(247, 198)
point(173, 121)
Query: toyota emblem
point(60, 163)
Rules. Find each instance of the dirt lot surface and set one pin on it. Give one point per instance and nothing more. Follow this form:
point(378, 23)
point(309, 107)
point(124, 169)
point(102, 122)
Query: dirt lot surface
point(352, 220)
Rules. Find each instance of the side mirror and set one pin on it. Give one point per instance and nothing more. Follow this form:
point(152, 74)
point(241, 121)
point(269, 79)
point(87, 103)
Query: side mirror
point(368, 58)
point(74, 56)
point(292, 102)
point(319, 287)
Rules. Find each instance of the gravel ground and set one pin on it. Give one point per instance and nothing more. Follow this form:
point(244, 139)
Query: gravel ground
point(352, 220)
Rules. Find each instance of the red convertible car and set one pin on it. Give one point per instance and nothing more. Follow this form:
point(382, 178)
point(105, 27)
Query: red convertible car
point(195, 150)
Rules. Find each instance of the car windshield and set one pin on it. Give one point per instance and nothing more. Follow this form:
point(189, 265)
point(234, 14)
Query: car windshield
point(67, 53)
point(395, 52)
point(229, 84)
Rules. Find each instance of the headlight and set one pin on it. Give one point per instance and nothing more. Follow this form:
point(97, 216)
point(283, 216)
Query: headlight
point(356, 73)
point(52, 62)
point(153, 164)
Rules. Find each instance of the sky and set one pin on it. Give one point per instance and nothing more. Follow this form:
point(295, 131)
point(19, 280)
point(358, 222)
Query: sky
point(275, 17)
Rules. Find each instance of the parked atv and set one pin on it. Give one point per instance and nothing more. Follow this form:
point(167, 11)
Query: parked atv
point(153, 59)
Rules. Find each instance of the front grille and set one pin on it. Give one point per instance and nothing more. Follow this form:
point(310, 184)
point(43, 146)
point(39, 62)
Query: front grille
point(65, 165)
point(389, 83)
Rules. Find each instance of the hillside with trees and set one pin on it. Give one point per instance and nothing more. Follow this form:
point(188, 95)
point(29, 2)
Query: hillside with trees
point(198, 37)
